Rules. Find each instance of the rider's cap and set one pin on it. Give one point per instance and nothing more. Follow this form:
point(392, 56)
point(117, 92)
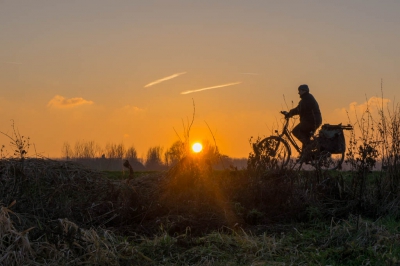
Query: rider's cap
point(304, 87)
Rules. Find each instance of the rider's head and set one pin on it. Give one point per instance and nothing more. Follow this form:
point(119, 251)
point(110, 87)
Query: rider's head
point(303, 89)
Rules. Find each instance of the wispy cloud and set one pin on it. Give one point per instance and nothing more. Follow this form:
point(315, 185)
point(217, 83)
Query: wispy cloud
point(355, 110)
point(130, 110)
point(372, 104)
point(355, 113)
point(13, 63)
point(61, 102)
point(164, 79)
point(210, 88)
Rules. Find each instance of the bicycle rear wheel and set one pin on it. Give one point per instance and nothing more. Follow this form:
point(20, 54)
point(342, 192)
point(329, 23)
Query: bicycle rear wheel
point(273, 152)
point(327, 161)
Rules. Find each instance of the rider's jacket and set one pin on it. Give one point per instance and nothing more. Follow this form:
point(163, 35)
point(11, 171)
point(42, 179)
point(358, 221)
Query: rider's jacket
point(308, 110)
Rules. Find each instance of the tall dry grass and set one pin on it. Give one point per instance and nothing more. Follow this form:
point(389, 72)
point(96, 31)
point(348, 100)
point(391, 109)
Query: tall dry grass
point(374, 159)
point(65, 244)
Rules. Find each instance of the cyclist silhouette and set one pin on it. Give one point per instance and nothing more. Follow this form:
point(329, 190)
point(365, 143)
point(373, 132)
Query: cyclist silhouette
point(310, 116)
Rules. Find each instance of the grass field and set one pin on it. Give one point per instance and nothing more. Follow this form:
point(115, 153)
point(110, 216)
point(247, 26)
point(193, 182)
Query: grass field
point(61, 213)
point(122, 175)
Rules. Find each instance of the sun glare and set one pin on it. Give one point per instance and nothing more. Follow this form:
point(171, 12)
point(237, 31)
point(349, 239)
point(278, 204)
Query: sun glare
point(197, 147)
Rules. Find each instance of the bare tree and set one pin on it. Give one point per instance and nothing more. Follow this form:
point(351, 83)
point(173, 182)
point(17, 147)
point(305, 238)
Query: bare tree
point(86, 149)
point(78, 150)
point(131, 154)
point(19, 143)
point(175, 153)
point(67, 151)
point(154, 158)
point(115, 151)
point(82, 150)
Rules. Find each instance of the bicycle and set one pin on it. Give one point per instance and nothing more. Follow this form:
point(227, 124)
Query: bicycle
point(275, 151)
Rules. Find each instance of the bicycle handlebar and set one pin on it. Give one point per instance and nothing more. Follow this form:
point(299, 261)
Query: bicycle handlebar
point(285, 113)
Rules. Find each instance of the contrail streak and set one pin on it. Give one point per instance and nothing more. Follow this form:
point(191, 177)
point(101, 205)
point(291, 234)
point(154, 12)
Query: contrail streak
point(249, 73)
point(13, 63)
point(164, 79)
point(210, 88)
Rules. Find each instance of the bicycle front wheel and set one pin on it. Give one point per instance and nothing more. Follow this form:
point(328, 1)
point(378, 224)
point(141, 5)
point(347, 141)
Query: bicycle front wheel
point(274, 152)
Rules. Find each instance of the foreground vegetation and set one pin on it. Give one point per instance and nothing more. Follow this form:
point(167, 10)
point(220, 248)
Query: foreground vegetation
point(58, 212)
point(62, 213)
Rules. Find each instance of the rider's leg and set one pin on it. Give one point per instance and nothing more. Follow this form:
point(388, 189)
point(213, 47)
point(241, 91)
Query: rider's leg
point(302, 133)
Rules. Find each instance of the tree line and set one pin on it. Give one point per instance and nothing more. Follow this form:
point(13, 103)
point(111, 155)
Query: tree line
point(156, 157)
point(89, 150)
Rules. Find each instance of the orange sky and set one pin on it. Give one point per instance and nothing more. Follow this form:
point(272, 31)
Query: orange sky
point(129, 71)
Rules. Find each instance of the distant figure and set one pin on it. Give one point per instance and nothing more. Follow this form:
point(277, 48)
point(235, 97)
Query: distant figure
point(128, 165)
point(310, 116)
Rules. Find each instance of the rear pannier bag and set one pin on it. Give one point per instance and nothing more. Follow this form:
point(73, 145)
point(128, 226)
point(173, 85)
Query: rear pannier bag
point(332, 138)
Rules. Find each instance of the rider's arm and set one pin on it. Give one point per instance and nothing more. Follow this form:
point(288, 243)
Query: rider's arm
point(294, 111)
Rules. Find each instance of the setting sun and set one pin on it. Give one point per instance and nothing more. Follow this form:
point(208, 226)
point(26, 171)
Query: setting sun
point(197, 147)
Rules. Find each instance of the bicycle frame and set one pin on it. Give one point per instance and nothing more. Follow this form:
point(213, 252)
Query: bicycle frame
point(286, 133)
point(277, 149)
